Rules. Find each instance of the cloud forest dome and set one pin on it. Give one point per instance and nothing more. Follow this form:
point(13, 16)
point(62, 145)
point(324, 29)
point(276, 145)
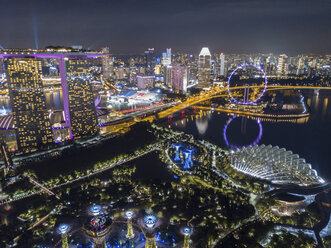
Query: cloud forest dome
point(274, 164)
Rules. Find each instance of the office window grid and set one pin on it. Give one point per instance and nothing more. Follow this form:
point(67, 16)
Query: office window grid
point(31, 121)
point(81, 99)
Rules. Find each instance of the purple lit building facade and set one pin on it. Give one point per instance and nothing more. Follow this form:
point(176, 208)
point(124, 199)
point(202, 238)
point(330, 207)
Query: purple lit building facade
point(145, 82)
point(78, 100)
point(179, 78)
point(82, 112)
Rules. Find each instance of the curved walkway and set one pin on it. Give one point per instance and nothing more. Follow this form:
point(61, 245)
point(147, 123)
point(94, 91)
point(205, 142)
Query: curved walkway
point(97, 171)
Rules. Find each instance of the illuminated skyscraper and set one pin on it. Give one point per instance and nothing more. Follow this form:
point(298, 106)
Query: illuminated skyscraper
point(167, 76)
point(282, 65)
point(301, 64)
point(179, 78)
point(106, 64)
point(145, 82)
point(192, 69)
point(133, 77)
point(120, 73)
point(150, 60)
point(222, 62)
point(83, 119)
point(32, 126)
point(166, 57)
point(204, 68)
point(157, 69)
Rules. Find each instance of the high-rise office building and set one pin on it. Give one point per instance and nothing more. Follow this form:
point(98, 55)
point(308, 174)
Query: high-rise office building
point(82, 111)
point(2, 68)
point(214, 67)
point(204, 68)
point(133, 77)
point(32, 125)
point(145, 82)
point(270, 65)
point(150, 60)
point(192, 69)
point(120, 73)
point(300, 67)
point(167, 76)
point(222, 64)
point(157, 69)
point(142, 70)
point(282, 65)
point(106, 63)
point(179, 78)
point(166, 57)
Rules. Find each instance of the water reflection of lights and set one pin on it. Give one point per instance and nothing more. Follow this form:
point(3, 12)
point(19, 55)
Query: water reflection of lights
point(325, 106)
point(256, 141)
point(202, 125)
point(303, 104)
point(150, 220)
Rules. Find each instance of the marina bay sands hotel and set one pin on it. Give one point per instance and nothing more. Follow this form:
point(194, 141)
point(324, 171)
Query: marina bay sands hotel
point(24, 78)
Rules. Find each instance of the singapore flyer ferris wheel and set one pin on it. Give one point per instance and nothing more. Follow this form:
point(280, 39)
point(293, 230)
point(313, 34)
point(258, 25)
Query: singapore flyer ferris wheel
point(246, 84)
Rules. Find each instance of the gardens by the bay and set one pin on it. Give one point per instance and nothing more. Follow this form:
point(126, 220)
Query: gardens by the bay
point(186, 155)
point(183, 193)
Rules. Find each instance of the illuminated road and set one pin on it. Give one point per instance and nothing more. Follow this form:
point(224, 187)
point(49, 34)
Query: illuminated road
point(219, 92)
point(238, 112)
point(204, 96)
point(142, 112)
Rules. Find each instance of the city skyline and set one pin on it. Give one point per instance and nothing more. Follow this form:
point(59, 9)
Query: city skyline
point(132, 26)
point(183, 124)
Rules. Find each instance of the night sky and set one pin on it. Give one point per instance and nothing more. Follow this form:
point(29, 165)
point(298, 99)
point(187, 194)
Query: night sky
point(130, 26)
